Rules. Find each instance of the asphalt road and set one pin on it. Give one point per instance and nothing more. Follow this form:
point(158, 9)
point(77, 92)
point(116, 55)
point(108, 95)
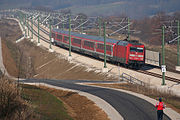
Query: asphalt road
point(130, 107)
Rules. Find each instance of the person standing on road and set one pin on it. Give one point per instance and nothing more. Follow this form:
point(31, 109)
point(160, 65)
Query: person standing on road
point(160, 106)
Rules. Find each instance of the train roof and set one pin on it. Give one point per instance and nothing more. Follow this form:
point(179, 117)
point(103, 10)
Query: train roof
point(86, 36)
point(113, 41)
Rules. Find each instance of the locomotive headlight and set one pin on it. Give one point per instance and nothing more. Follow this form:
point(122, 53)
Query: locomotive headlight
point(132, 55)
point(140, 55)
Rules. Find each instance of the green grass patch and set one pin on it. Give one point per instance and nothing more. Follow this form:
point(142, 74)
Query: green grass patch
point(46, 105)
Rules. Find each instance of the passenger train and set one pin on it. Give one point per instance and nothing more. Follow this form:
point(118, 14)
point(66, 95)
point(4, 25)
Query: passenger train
point(129, 53)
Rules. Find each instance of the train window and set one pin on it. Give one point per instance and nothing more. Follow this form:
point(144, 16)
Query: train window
point(53, 35)
point(59, 37)
point(133, 49)
point(108, 47)
point(101, 46)
point(139, 49)
point(77, 41)
point(136, 49)
point(66, 38)
point(89, 44)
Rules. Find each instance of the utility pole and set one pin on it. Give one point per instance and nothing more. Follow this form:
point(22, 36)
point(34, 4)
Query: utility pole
point(22, 23)
point(81, 27)
point(63, 26)
point(178, 30)
point(128, 29)
point(28, 27)
point(25, 26)
point(20, 17)
point(163, 58)
point(50, 35)
point(105, 45)
point(38, 33)
point(99, 27)
point(69, 35)
point(31, 28)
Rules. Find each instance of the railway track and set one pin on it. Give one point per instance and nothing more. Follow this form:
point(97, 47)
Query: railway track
point(141, 71)
point(159, 76)
point(40, 36)
point(42, 29)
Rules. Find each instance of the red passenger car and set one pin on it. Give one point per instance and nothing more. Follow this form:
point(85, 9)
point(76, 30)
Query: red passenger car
point(131, 53)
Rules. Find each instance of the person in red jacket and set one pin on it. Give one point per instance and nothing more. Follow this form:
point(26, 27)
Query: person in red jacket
point(160, 106)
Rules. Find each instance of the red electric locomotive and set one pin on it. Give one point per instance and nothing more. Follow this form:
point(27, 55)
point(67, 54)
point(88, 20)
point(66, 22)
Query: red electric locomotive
point(129, 53)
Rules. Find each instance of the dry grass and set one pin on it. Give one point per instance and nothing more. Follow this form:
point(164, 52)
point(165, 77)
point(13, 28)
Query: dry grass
point(1, 73)
point(79, 107)
point(12, 107)
point(45, 105)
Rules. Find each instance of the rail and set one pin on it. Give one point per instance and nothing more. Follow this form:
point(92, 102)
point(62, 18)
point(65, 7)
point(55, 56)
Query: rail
point(132, 80)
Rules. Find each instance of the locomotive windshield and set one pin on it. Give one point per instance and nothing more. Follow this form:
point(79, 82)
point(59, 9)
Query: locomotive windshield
point(136, 49)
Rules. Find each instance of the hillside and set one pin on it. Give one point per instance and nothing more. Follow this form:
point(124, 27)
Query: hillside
point(132, 8)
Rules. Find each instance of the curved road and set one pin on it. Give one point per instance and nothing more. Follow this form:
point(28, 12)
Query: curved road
point(130, 107)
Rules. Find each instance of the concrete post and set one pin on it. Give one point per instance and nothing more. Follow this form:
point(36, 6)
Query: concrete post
point(50, 47)
point(178, 30)
point(99, 27)
point(38, 33)
point(163, 56)
point(81, 27)
point(128, 30)
point(31, 28)
point(25, 26)
point(28, 27)
point(69, 35)
point(105, 69)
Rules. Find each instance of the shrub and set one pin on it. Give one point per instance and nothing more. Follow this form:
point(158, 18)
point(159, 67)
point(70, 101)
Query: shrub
point(12, 106)
point(1, 73)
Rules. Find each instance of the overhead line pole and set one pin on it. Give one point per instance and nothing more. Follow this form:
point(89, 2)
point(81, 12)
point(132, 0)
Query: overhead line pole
point(25, 26)
point(50, 35)
point(69, 35)
point(128, 30)
point(105, 45)
point(163, 57)
point(81, 27)
point(38, 33)
point(63, 26)
point(178, 30)
point(31, 28)
point(28, 27)
point(99, 27)
point(22, 22)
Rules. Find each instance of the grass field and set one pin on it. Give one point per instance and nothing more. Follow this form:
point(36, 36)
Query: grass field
point(45, 105)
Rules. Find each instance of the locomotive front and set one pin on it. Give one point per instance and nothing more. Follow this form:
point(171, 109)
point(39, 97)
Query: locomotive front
point(136, 55)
